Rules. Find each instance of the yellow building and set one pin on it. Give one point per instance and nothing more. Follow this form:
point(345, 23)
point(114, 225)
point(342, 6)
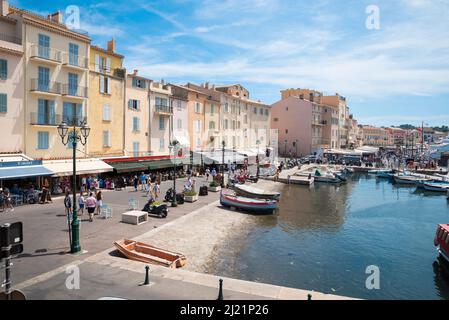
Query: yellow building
point(106, 110)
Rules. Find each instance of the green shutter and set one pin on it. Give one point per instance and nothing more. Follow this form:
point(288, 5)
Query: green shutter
point(3, 69)
point(3, 103)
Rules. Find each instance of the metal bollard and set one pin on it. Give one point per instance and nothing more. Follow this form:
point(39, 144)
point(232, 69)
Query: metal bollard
point(147, 278)
point(220, 292)
point(309, 297)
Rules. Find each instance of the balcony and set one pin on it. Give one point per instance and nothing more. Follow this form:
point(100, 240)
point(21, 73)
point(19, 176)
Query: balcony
point(45, 87)
point(74, 92)
point(45, 55)
point(44, 119)
point(71, 120)
point(163, 110)
point(75, 62)
point(9, 38)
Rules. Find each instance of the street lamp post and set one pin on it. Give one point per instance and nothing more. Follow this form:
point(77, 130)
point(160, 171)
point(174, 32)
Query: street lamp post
point(174, 145)
point(223, 144)
point(73, 137)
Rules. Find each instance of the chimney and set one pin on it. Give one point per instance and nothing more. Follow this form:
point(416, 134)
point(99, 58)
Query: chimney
point(112, 45)
point(135, 72)
point(4, 8)
point(55, 17)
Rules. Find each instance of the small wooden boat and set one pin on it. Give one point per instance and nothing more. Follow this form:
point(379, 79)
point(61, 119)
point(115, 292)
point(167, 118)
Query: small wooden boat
point(143, 252)
point(436, 186)
point(442, 240)
point(255, 193)
point(409, 179)
point(262, 206)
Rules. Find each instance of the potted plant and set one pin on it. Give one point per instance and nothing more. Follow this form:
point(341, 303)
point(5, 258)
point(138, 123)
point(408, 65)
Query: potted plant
point(191, 196)
point(214, 186)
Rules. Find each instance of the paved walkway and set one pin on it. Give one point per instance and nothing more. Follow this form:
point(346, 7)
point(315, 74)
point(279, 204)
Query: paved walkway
point(46, 237)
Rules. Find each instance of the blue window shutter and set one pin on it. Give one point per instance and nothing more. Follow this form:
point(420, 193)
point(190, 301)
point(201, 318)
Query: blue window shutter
point(3, 103)
point(3, 69)
point(52, 112)
point(41, 111)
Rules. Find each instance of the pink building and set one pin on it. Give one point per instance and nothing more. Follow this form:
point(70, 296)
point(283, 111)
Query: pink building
point(299, 126)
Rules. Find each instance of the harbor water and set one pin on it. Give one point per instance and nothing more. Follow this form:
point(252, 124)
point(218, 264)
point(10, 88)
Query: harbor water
point(324, 237)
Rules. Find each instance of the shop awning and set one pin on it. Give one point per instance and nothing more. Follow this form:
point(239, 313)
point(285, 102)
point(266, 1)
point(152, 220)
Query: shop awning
point(216, 157)
point(130, 166)
point(17, 172)
point(62, 168)
point(167, 163)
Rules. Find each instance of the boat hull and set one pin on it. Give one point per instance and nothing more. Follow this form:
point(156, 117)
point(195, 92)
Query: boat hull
point(254, 193)
point(248, 204)
point(436, 187)
point(146, 253)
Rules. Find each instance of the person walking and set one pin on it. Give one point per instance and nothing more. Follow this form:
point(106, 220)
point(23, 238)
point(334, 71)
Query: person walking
point(136, 182)
point(156, 190)
point(81, 202)
point(99, 201)
point(91, 204)
point(68, 205)
point(2, 200)
point(214, 173)
point(207, 174)
point(143, 182)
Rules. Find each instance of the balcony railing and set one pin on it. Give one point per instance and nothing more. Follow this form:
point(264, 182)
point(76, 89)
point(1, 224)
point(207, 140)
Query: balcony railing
point(120, 73)
point(45, 86)
point(164, 109)
point(9, 38)
point(77, 120)
point(45, 119)
point(75, 91)
point(75, 60)
point(45, 53)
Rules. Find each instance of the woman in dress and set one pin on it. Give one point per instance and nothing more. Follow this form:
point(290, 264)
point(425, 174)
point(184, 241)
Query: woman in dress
point(99, 201)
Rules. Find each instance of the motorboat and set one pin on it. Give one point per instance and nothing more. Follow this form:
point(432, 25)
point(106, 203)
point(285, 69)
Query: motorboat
point(262, 206)
point(255, 193)
point(441, 240)
point(437, 186)
point(143, 252)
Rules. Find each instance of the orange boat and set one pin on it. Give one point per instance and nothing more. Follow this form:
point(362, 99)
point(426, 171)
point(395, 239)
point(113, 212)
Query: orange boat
point(143, 252)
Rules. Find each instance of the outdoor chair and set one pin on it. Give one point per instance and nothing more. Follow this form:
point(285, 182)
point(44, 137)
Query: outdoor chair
point(105, 212)
point(133, 204)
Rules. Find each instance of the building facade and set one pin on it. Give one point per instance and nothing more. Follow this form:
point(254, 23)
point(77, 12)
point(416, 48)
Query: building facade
point(55, 82)
point(376, 137)
point(12, 109)
point(161, 114)
point(106, 112)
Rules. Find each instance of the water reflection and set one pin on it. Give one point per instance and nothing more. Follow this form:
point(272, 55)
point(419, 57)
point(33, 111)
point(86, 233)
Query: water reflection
point(441, 270)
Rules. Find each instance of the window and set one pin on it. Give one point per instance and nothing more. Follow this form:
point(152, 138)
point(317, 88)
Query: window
point(286, 131)
point(3, 69)
point(44, 46)
point(46, 112)
point(179, 105)
point(245, 119)
point(255, 110)
point(106, 112)
point(102, 64)
point(276, 119)
point(106, 138)
point(198, 142)
point(197, 107)
point(162, 144)
point(198, 126)
point(105, 85)
point(3, 103)
point(72, 112)
point(136, 124)
point(261, 111)
point(266, 112)
point(42, 140)
point(212, 125)
point(73, 54)
point(136, 149)
point(212, 109)
point(226, 124)
point(139, 83)
point(43, 79)
point(134, 104)
point(161, 123)
point(161, 102)
point(73, 84)
point(179, 124)
point(226, 107)
point(233, 124)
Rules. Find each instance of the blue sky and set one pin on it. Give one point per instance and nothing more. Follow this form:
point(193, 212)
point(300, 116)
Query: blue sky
point(397, 74)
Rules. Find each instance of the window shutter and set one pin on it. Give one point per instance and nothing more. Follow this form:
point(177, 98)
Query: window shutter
point(101, 84)
point(3, 69)
point(130, 103)
point(3, 103)
point(138, 104)
point(52, 112)
point(108, 84)
point(97, 63)
point(134, 82)
point(108, 65)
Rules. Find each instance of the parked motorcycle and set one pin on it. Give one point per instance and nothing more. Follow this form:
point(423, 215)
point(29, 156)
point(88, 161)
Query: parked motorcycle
point(156, 208)
point(169, 196)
